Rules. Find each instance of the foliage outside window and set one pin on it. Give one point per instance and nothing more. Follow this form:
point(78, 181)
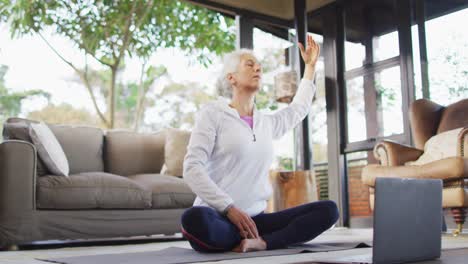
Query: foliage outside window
point(111, 32)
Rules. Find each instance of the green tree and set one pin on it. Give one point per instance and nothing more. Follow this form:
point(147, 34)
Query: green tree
point(10, 102)
point(180, 102)
point(132, 97)
point(285, 163)
point(64, 114)
point(448, 70)
point(134, 94)
point(111, 31)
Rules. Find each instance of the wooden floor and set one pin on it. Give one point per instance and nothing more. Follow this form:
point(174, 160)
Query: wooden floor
point(56, 250)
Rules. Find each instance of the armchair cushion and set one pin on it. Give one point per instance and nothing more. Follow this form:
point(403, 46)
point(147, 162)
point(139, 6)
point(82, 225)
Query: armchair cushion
point(440, 146)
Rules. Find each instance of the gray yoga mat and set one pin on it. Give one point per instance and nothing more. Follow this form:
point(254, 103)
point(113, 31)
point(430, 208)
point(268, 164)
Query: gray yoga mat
point(183, 255)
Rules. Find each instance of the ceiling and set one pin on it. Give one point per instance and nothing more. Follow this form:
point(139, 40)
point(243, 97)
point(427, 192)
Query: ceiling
point(363, 17)
point(282, 9)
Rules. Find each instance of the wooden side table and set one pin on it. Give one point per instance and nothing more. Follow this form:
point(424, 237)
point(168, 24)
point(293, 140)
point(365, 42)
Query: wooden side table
point(292, 188)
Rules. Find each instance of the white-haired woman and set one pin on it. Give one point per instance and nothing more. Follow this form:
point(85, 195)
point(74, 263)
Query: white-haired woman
point(227, 162)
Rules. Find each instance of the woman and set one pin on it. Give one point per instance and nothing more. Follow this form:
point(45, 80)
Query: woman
point(227, 162)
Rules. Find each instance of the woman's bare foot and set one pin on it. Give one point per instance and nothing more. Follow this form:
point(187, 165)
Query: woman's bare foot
point(250, 244)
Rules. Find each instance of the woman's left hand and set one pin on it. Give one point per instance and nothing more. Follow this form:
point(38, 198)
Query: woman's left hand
point(311, 53)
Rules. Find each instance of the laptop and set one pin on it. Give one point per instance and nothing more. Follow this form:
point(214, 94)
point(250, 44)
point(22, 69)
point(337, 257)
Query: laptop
point(407, 222)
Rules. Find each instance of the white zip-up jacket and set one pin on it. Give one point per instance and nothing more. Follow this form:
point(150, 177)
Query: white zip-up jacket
point(227, 161)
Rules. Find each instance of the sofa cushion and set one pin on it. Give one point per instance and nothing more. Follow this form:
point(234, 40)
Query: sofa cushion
point(49, 149)
point(20, 131)
point(440, 146)
point(129, 153)
point(167, 191)
point(175, 150)
point(91, 190)
point(83, 147)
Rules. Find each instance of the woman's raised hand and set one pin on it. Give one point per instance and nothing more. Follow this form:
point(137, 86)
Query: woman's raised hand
point(311, 53)
point(244, 222)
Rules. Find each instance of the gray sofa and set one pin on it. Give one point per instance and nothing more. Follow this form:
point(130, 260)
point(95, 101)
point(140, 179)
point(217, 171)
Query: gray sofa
point(115, 188)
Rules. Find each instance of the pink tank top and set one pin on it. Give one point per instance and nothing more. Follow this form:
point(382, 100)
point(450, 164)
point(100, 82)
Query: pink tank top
point(248, 120)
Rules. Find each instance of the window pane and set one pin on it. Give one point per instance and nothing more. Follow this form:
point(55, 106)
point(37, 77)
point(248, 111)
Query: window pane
point(384, 110)
point(355, 54)
point(388, 87)
point(318, 118)
point(386, 46)
point(356, 114)
point(447, 55)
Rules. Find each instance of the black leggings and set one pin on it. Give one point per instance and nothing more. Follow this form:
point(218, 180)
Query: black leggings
point(209, 231)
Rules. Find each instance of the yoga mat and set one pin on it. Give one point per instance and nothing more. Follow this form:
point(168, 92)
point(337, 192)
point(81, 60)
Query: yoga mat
point(183, 255)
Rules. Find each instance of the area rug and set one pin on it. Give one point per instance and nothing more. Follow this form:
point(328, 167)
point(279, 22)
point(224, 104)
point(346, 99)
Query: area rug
point(449, 256)
point(184, 255)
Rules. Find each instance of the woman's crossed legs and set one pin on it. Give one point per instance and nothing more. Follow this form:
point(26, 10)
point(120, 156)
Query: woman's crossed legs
point(209, 231)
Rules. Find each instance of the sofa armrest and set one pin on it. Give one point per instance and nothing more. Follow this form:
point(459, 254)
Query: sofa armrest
point(17, 177)
point(462, 146)
point(393, 154)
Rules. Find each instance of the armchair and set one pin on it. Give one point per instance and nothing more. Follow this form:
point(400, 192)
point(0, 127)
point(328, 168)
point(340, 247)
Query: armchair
point(428, 119)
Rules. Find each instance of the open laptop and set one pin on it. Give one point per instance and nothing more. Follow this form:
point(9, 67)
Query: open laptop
point(407, 222)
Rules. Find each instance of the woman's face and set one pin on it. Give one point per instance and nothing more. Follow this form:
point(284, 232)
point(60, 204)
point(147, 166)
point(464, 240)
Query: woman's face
point(248, 75)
